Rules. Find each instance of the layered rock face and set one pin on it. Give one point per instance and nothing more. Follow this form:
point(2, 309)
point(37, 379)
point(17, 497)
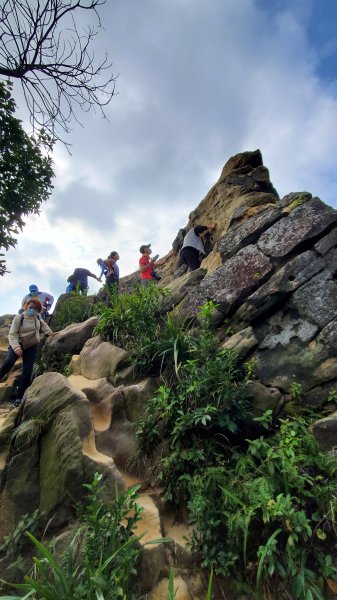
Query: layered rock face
point(272, 274)
point(271, 271)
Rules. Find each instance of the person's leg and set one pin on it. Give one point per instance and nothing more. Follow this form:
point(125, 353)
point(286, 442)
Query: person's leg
point(28, 358)
point(190, 257)
point(8, 363)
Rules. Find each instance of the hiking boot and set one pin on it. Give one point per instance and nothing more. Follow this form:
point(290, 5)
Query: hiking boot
point(17, 402)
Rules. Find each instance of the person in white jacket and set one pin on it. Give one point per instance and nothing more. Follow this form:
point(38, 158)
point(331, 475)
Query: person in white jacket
point(24, 338)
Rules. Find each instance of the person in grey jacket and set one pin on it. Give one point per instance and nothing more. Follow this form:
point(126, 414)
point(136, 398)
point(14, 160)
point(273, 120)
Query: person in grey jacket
point(24, 338)
point(193, 245)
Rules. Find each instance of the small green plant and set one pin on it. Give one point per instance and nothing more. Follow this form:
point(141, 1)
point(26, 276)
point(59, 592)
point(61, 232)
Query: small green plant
point(76, 308)
point(332, 396)
point(267, 516)
point(101, 559)
point(130, 321)
point(53, 364)
point(257, 275)
point(197, 412)
point(296, 391)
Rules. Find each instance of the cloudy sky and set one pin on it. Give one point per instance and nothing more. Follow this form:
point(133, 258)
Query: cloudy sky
point(198, 81)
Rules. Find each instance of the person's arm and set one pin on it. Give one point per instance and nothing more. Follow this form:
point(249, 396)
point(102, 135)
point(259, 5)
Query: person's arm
point(163, 261)
point(92, 275)
point(13, 336)
point(45, 328)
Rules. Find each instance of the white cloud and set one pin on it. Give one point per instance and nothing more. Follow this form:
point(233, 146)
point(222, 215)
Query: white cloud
point(198, 82)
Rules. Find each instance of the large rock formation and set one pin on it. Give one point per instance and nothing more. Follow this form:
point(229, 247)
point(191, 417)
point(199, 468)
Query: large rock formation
point(271, 270)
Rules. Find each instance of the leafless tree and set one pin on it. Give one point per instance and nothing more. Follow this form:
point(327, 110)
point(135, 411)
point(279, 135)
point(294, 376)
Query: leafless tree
point(44, 45)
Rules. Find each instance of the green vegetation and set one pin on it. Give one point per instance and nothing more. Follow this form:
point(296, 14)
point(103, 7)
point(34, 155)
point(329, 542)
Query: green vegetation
point(132, 321)
point(267, 515)
point(198, 413)
point(26, 172)
point(52, 364)
point(76, 308)
point(100, 560)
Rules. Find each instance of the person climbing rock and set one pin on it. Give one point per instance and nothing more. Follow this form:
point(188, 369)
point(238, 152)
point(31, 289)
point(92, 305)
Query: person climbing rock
point(193, 245)
point(113, 278)
point(80, 278)
point(146, 265)
point(24, 338)
point(45, 298)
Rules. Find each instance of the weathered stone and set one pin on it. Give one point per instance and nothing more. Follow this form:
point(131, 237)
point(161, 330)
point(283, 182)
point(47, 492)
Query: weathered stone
point(325, 244)
point(293, 199)
point(316, 300)
point(231, 283)
point(302, 225)
point(181, 590)
point(242, 342)
point(283, 327)
point(102, 361)
point(94, 389)
point(178, 289)
point(137, 396)
point(287, 279)
point(325, 432)
point(247, 233)
point(261, 398)
point(70, 340)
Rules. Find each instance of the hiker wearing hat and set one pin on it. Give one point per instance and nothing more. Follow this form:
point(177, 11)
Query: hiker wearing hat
point(147, 265)
point(45, 299)
point(24, 338)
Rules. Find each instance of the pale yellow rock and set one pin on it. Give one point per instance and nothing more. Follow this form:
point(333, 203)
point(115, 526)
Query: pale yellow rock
point(180, 589)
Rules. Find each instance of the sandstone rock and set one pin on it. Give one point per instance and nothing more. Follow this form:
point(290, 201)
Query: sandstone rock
point(242, 342)
point(262, 398)
point(247, 233)
point(70, 340)
point(325, 432)
point(102, 361)
point(95, 390)
point(230, 284)
point(181, 591)
point(52, 454)
point(178, 288)
point(137, 396)
point(303, 225)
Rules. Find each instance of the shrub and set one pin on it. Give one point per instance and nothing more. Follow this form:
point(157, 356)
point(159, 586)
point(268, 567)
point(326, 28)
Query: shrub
point(131, 321)
point(100, 561)
point(198, 413)
point(267, 516)
point(75, 309)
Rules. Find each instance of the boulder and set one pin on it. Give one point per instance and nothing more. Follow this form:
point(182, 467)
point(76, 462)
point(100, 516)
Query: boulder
point(52, 454)
point(70, 340)
point(325, 432)
point(101, 361)
point(242, 342)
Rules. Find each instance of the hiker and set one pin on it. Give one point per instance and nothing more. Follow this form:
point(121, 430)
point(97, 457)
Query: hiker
point(80, 278)
point(45, 299)
point(105, 267)
point(193, 245)
point(113, 278)
point(24, 338)
point(146, 266)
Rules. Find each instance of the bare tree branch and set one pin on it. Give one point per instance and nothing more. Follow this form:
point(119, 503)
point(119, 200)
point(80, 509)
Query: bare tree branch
point(43, 45)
